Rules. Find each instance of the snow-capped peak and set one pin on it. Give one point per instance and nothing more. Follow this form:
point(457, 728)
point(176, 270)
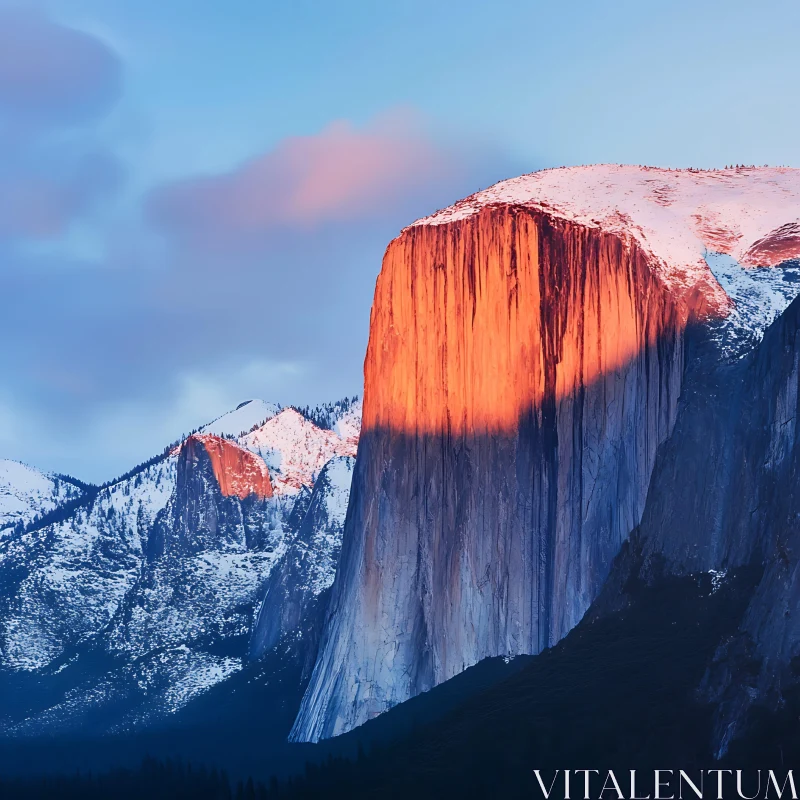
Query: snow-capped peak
point(295, 449)
point(750, 214)
point(242, 419)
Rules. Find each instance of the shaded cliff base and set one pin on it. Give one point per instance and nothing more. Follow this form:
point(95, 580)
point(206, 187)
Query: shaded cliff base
point(619, 692)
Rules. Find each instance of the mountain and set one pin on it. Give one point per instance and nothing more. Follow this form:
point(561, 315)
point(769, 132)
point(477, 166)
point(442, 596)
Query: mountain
point(579, 444)
point(64, 581)
point(143, 596)
point(307, 569)
point(27, 494)
point(246, 416)
point(557, 366)
point(296, 449)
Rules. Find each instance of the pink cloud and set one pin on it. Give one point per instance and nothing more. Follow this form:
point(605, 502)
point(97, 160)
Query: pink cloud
point(341, 173)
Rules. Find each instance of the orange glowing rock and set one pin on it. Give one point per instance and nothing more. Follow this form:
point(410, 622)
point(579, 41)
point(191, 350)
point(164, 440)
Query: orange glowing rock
point(476, 322)
point(525, 364)
point(239, 472)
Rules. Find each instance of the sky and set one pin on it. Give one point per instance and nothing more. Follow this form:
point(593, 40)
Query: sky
point(195, 196)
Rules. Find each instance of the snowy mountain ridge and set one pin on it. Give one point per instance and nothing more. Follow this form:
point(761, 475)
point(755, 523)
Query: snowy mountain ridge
point(115, 577)
point(26, 493)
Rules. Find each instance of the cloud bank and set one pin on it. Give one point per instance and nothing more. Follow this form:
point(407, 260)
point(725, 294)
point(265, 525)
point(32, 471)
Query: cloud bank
point(51, 74)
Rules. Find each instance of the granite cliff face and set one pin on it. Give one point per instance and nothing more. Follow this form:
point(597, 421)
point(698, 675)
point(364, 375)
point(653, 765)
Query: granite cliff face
point(509, 436)
point(528, 350)
point(239, 473)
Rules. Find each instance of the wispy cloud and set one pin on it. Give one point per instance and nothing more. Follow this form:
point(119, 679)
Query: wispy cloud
point(256, 282)
point(341, 174)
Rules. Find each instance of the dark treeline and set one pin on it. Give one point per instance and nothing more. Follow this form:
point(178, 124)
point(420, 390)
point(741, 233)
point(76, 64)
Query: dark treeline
point(153, 780)
point(325, 415)
point(170, 780)
point(619, 692)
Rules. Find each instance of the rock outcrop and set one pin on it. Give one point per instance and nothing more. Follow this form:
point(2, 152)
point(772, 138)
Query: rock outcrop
point(294, 601)
point(509, 435)
point(219, 499)
point(239, 472)
point(525, 364)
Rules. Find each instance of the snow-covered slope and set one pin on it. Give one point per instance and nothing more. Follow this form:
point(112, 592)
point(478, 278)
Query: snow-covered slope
point(138, 601)
point(242, 419)
point(26, 493)
point(295, 449)
point(348, 424)
point(759, 296)
point(63, 582)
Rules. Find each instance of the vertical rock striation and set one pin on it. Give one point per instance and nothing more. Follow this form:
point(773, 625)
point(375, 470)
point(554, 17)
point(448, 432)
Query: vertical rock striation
point(522, 371)
point(525, 364)
point(239, 472)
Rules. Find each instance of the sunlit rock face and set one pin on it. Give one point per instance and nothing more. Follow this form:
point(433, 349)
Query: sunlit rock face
point(520, 375)
point(219, 487)
point(239, 472)
point(526, 360)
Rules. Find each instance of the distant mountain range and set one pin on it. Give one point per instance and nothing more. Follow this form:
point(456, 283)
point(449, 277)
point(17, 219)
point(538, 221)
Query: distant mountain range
point(141, 595)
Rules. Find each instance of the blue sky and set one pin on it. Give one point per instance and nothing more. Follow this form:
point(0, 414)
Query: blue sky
point(195, 196)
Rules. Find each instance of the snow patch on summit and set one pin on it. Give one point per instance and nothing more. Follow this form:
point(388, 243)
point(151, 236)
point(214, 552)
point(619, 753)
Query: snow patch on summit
point(750, 214)
point(295, 449)
point(242, 419)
